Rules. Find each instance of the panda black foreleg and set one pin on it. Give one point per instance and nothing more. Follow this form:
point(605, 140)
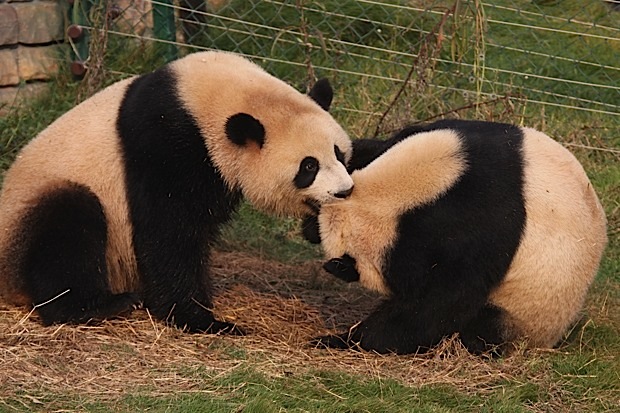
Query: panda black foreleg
point(180, 297)
point(62, 259)
point(310, 229)
point(190, 311)
point(173, 262)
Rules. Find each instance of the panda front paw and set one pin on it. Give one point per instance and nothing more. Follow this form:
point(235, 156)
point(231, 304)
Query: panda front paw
point(223, 327)
point(201, 321)
point(310, 229)
point(343, 268)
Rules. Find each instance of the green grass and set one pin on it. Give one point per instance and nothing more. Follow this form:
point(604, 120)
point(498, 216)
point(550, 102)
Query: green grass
point(583, 382)
point(267, 236)
point(250, 391)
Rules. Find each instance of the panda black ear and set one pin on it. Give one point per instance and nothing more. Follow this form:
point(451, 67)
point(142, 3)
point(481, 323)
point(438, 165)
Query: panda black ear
point(242, 128)
point(322, 93)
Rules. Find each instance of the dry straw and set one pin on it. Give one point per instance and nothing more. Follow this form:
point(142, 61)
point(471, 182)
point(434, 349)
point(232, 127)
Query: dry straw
point(280, 306)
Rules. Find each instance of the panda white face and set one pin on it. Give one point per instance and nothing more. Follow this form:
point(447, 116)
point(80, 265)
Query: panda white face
point(325, 183)
point(293, 166)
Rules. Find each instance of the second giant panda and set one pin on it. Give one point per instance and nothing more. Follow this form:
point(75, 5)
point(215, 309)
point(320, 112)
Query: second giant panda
point(119, 201)
point(488, 230)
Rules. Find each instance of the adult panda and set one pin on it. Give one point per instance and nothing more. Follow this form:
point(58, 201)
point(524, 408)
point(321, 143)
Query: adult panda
point(119, 201)
point(488, 230)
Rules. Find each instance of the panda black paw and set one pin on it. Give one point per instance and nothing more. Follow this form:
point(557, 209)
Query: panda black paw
point(112, 306)
point(343, 268)
point(219, 327)
point(337, 341)
point(223, 327)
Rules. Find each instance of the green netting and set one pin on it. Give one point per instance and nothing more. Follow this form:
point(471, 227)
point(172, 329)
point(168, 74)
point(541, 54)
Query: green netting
point(536, 57)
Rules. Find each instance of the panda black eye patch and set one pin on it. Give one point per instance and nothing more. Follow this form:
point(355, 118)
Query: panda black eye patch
point(308, 168)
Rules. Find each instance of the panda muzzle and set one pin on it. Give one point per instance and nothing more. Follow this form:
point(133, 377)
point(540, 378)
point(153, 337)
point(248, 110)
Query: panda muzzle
point(344, 194)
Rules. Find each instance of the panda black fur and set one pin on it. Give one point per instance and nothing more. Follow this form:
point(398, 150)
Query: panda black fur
point(484, 229)
point(120, 200)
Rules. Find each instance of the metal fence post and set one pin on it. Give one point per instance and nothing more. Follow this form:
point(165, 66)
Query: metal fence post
point(164, 28)
point(79, 35)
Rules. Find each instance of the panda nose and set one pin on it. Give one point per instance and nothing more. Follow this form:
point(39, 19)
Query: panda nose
point(344, 194)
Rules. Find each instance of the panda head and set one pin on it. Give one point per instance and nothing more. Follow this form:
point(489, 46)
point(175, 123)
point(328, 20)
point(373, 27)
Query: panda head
point(296, 163)
point(280, 147)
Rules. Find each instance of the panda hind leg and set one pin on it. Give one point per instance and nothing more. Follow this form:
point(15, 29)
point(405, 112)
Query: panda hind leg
point(62, 259)
point(485, 334)
point(406, 325)
point(391, 328)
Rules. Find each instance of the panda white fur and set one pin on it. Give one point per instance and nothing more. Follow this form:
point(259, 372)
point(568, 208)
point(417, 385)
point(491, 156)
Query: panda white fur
point(484, 229)
point(120, 200)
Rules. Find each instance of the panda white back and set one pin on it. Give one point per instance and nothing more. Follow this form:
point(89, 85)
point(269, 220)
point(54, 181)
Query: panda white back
point(81, 147)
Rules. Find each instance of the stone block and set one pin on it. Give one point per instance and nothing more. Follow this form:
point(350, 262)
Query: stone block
point(135, 17)
point(12, 97)
point(40, 22)
point(9, 72)
point(8, 99)
point(38, 63)
point(9, 28)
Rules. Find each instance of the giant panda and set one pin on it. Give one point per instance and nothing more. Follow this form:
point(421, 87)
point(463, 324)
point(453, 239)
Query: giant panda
point(488, 230)
point(119, 201)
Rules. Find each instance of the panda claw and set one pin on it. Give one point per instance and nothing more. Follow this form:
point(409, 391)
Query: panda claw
point(106, 307)
point(223, 327)
point(330, 341)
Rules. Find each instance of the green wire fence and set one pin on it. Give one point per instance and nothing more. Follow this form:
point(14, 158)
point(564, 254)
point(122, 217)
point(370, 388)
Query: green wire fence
point(540, 58)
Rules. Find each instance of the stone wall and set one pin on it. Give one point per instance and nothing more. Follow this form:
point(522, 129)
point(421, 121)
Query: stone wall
point(31, 32)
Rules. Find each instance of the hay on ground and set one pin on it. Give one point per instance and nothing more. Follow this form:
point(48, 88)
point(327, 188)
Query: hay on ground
point(280, 306)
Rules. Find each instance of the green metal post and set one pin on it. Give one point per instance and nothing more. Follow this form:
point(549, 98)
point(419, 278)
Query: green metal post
point(80, 18)
point(164, 27)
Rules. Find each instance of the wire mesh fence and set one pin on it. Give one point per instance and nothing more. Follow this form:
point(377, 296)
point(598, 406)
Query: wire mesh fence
point(539, 58)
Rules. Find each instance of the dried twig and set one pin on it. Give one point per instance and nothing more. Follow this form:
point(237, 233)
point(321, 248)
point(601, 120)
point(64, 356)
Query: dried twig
point(424, 56)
